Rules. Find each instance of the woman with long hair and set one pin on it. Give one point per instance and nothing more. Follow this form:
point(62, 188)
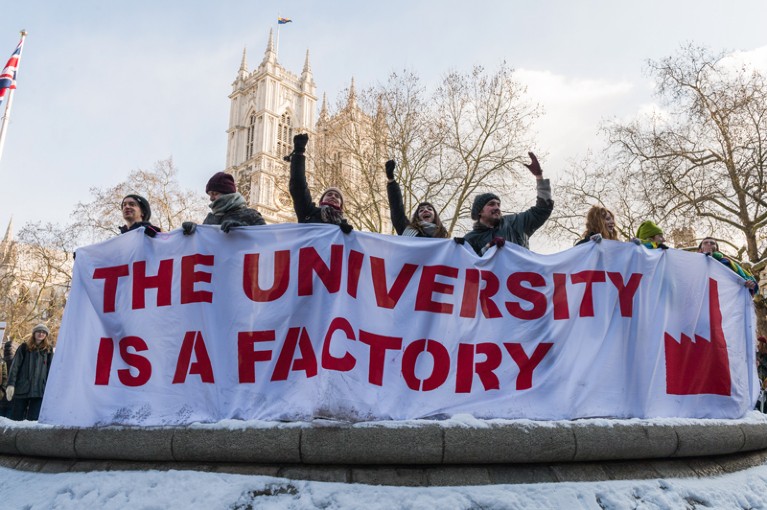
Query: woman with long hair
point(425, 221)
point(29, 373)
point(600, 224)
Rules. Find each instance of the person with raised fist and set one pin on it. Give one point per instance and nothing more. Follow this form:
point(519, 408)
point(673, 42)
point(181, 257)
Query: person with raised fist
point(331, 205)
point(425, 220)
point(492, 228)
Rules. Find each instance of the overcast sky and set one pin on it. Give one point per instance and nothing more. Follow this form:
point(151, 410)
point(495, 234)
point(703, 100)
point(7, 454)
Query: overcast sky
point(105, 88)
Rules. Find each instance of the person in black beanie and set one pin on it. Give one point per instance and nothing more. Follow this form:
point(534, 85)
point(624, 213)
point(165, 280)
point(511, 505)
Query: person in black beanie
point(228, 207)
point(136, 213)
point(331, 205)
point(425, 221)
point(491, 228)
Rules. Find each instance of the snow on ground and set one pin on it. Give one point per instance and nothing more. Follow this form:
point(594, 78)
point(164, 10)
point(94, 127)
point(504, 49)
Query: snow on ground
point(188, 489)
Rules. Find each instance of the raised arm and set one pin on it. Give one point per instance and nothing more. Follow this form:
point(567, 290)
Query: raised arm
point(299, 189)
point(396, 207)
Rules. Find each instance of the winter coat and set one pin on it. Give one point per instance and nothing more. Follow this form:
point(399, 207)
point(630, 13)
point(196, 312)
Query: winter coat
point(242, 214)
point(145, 224)
point(516, 227)
point(29, 372)
point(306, 210)
point(397, 209)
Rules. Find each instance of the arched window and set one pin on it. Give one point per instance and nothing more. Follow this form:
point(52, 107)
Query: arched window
point(251, 136)
point(284, 135)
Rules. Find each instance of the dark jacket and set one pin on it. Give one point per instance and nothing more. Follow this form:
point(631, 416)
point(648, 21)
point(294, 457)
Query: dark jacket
point(516, 227)
point(397, 208)
point(242, 214)
point(306, 210)
point(29, 372)
point(146, 224)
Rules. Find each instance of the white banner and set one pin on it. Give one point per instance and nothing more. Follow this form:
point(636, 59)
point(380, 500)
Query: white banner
point(291, 322)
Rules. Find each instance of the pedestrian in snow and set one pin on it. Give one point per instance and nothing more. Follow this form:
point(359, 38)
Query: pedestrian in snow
point(228, 206)
point(29, 373)
point(425, 221)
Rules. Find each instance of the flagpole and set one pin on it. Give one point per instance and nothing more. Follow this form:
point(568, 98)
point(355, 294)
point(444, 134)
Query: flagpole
point(7, 113)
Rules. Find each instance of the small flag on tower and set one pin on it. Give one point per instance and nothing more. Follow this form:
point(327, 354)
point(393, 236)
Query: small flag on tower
point(282, 21)
point(8, 76)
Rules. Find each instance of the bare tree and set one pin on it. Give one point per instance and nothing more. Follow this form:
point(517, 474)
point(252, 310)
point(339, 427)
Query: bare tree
point(100, 217)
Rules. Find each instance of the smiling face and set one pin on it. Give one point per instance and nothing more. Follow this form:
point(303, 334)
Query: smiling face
point(708, 245)
point(658, 239)
point(426, 213)
point(40, 336)
point(332, 197)
point(490, 215)
point(609, 222)
point(131, 211)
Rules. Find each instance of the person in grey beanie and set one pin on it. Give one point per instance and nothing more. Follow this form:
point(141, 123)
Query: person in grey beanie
point(29, 374)
point(492, 228)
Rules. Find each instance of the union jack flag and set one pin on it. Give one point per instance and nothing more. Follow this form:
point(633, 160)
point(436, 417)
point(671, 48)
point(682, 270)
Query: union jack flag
point(8, 76)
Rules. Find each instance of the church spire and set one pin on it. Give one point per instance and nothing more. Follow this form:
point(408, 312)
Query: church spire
point(243, 71)
point(8, 232)
point(270, 56)
point(352, 101)
point(324, 109)
point(307, 67)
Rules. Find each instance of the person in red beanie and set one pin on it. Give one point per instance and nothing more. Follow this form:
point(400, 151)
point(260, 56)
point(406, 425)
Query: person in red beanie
point(331, 205)
point(228, 207)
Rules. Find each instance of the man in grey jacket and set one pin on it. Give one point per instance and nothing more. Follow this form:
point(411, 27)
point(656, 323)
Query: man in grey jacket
point(492, 228)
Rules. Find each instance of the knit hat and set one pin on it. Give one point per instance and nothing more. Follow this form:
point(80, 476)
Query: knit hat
point(221, 182)
point(647, 230)
point(41, 327)
point(479, 203)
point(761, 340)
point(146, 211)
point(333, 188)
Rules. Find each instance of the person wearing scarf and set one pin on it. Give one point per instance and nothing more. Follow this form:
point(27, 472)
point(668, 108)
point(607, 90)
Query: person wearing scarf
point(425, 221)
point(331, 205)
point(228, 207)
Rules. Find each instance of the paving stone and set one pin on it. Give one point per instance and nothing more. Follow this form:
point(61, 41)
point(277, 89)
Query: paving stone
point(47, 442)
point(56, 465)
point(624, 442)
point(734, 463)
point(702, 440)
point(521, 473)
point(508, 444)
point(8, 440)
point(580, 472)
point(124, 444)
point(630, 470)
point(371, 445)
point(705, 467)
point(315, 473)
point(444, 476)
point(263, 446)
point(247, 469)
point(756, 436)
point(9, 461)
point(673, 468)
point(406, 477)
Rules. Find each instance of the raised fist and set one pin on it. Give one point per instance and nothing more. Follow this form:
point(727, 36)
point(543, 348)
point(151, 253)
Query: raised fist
point(534, 166)
point(390, 166)
point(299, 143)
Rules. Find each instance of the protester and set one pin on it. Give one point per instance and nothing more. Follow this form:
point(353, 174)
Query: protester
point(136, 213)
point(29, 373)
point(331, 205)
point(650, 236)
point(425, 221)
point(493, 229)
point(5, 360)
point(710, 247)
point(228, 207)
point(600, 224)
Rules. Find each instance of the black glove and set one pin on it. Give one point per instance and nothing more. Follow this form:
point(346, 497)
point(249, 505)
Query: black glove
point(227, 225)
point(345, 227)
point(498, 241)
point(189, 227)
point(534, 166)
point(459, 240)
point(299, 143)
point(662, 246)
point(390, 166)
point(149, 232)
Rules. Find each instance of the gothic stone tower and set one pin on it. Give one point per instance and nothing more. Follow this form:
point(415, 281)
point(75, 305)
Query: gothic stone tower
point(268, 105)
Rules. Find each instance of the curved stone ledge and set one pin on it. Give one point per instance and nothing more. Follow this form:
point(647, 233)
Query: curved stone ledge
point(426, 454)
